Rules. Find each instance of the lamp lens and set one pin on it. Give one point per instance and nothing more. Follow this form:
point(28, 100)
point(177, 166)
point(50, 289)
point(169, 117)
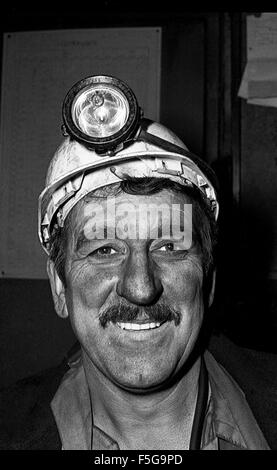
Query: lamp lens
point(100, 111)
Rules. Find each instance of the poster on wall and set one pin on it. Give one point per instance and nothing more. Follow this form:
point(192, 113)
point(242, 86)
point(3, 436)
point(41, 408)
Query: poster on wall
point(259, 81)
point(39, 67)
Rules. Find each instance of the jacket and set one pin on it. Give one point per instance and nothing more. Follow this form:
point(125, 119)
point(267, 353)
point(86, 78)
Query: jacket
point(27, 420)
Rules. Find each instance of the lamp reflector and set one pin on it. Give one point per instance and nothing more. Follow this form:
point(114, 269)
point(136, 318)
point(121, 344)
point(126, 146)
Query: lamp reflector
point(100, 111)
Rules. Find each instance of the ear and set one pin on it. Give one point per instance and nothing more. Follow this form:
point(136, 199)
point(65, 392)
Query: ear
point(211, 294)
point(58, 291)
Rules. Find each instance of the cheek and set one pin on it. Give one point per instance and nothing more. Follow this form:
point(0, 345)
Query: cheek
point(87, 291)
point(88, 286)
point(183, 284)
point(188, 298)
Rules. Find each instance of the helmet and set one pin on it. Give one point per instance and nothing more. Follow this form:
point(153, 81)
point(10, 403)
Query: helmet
point(106, 138)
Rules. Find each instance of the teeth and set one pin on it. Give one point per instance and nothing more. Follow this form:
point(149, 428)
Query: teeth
point(138, 326)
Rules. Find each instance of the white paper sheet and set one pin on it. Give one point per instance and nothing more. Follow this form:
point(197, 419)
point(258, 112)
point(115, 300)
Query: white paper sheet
point(259, 81)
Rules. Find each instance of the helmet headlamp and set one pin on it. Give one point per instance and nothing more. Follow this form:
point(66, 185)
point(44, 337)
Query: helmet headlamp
point(101, 112)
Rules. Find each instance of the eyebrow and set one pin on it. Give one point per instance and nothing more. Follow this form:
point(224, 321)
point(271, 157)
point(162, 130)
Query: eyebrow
point(82, 239)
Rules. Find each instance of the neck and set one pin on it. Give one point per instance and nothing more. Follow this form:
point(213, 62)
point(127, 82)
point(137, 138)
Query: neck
point(158, 420)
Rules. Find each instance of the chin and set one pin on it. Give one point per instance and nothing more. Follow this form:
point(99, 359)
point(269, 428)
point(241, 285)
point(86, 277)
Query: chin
point(141, 377)
point(143, 381)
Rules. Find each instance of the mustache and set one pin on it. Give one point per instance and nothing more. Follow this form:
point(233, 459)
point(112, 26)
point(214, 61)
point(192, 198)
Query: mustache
point(125, 313)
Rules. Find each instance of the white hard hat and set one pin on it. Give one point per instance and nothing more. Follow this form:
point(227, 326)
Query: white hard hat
point(90, 157)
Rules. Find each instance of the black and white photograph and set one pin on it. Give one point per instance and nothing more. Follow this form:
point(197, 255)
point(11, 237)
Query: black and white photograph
point(138, 239)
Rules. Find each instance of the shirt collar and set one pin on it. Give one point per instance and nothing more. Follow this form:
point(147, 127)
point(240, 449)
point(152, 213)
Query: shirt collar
point(72, 411)
point(229, 418)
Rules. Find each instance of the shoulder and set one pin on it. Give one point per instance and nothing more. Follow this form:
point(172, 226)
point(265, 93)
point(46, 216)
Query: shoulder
point(26, 419)
point(255, 373)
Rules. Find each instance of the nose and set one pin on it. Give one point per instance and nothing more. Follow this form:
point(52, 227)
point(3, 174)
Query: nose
point(139, 284)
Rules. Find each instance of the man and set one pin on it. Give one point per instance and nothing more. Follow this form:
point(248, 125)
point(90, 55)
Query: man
point(128, 219)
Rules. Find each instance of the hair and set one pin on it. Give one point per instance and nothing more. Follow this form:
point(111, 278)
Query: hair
point(204, 224)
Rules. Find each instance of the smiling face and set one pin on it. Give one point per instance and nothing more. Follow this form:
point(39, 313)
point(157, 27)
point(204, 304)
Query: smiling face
point(135, 304)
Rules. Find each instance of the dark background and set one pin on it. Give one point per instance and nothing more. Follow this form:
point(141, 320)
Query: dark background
point(203, 58)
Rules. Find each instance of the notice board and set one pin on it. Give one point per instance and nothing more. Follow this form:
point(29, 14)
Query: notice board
point(38, 69)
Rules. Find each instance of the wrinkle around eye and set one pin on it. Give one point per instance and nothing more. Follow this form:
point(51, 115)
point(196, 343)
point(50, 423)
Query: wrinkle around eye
point(93, 254)
point(169, 249)
point(88, 247)
point(100, 252)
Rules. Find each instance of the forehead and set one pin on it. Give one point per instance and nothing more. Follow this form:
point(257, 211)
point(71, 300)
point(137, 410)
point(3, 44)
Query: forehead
point(165, 199)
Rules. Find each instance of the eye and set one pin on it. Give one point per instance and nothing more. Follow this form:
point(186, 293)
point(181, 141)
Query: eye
point(170, 248)
point(167, 247)
point(103, 251)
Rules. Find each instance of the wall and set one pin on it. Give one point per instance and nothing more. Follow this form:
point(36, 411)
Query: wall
point(247, 288)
